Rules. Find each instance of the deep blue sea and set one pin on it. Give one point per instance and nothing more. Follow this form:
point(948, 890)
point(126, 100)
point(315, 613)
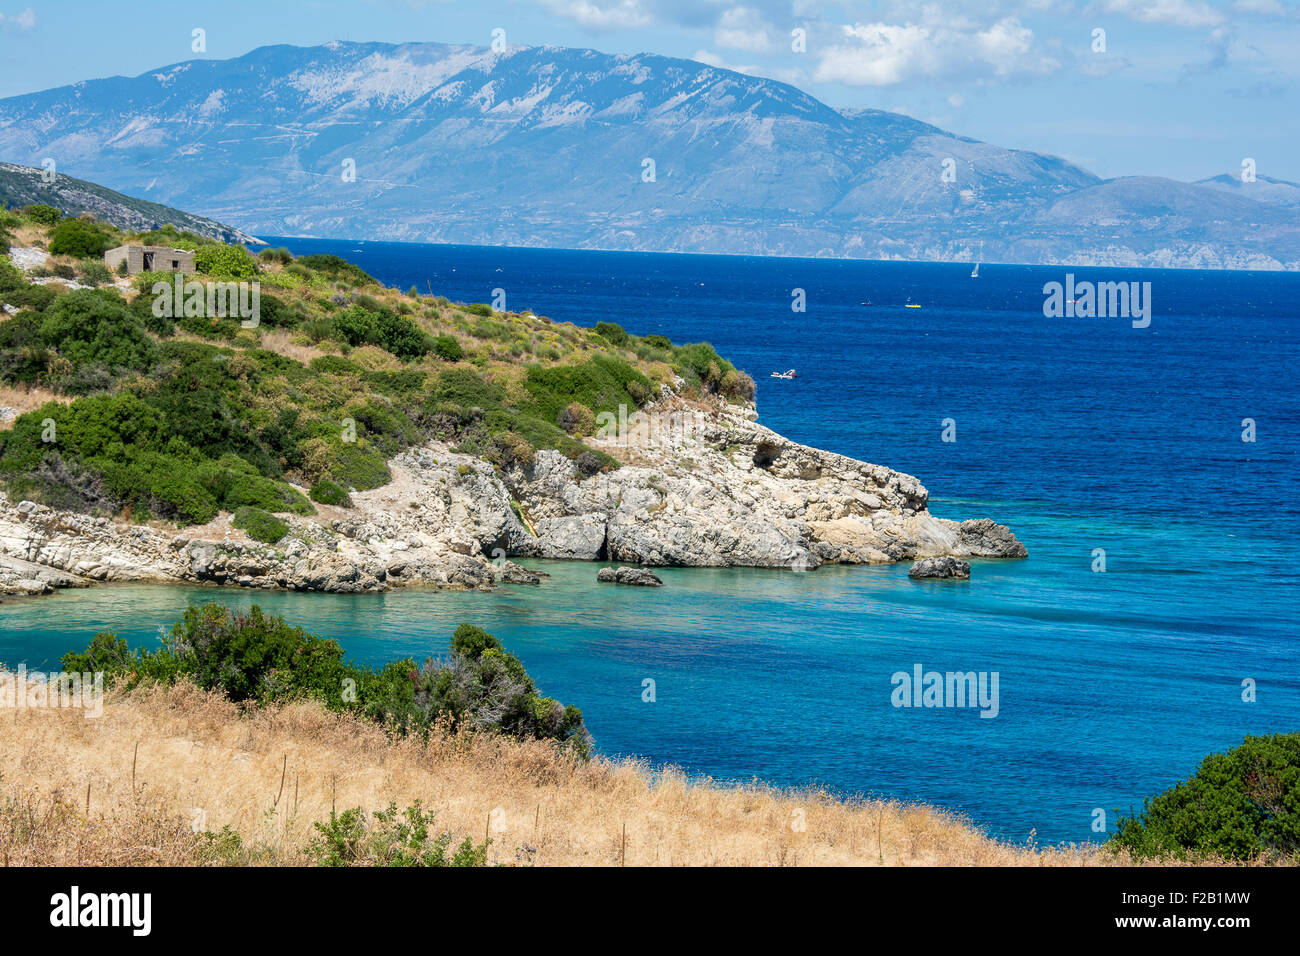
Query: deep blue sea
point(1080, 433)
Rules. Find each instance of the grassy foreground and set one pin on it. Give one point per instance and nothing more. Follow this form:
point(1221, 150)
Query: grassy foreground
point(133, 786)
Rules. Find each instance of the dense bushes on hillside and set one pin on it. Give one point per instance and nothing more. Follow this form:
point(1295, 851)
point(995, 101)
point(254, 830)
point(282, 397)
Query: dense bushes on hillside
point(97, 328)
point(337, 268)
point(258, 658)
point(225, 262)
point(43, 213)
point(1241, 804)
point(394, 333)
point(197, 399)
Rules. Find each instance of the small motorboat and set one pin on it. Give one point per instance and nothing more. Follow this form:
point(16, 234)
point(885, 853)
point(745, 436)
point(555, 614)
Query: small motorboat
point(786, 375)
point(909, 304)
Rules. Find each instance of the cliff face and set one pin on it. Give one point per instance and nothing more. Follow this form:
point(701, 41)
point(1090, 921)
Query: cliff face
point(714, 489)
point(735, 493)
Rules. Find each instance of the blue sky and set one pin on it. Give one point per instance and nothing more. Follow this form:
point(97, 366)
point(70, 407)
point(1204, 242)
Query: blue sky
point(1183, 88)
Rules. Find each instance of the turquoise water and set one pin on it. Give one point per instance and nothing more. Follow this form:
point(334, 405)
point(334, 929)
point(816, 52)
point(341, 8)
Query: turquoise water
point(786, 676)
point(1079, 434)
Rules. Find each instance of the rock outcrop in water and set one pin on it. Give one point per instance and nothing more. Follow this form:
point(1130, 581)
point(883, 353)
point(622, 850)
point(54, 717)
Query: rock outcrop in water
point(953, 568)
point(625, 575)
point(719, 491)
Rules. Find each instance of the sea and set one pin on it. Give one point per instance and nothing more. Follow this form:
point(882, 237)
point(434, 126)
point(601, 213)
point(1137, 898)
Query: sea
point(1148, 466)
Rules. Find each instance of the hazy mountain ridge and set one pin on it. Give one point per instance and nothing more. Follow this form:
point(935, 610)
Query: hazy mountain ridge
point(25, 185)
point(547, 146)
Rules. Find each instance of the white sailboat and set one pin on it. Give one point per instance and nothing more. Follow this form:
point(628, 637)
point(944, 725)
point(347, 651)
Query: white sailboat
point(975, 273)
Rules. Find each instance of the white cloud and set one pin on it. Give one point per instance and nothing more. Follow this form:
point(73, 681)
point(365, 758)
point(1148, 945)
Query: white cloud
point(1264, 8)
point(23, 21)
point(602, 14)
point(742, 28)
point(883, 54)
point(1180, 13)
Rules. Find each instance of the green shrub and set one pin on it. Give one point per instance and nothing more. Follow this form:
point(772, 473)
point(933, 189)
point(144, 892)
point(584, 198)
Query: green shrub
point(509, 448)
point(330, 493)
point(79, 239)
point(225, 262)
point(577, 419)
point(260, 525)
point(448, 347)
point(97, 326)
point(42, 213)
point(355, 466)
point(168, 235)
point(337, 268)
point(96, 274)
point(252, 656)
point(612, 331)
point(397, 334)
point(279, 254)
point(11, 277)
point(601, 383)
point(349, 839)
point(737, 385)
point(335, 365)
point(1241, 805)
point(658, 341)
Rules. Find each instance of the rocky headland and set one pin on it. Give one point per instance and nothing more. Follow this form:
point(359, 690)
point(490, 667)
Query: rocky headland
point(720, 490)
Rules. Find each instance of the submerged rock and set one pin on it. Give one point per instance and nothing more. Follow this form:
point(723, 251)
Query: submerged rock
point(626, 575)
point(940, 568)
point(512, 573)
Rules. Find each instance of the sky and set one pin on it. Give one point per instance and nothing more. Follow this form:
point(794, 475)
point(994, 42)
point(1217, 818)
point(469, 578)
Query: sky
point(1178, 88)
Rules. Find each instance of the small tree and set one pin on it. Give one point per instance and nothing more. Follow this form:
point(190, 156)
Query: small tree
point(79, 239)
point(45, 214)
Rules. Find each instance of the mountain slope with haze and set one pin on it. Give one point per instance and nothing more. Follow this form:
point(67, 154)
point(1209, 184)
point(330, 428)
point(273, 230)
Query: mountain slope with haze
point(553, 146)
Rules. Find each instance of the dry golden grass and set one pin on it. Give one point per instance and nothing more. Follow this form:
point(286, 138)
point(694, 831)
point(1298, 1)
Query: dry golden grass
point(25, 400)
point(31, 235)
point(289, 345)
point(125, 788)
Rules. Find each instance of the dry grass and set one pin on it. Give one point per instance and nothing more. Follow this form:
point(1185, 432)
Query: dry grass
point(126, 787)
point(24, 400)
point(291, 346)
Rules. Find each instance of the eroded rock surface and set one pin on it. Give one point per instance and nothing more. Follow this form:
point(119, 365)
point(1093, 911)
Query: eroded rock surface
point(725, 491)
point(954, 568)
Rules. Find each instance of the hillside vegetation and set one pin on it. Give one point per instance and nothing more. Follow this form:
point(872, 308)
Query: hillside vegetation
point(182, 417)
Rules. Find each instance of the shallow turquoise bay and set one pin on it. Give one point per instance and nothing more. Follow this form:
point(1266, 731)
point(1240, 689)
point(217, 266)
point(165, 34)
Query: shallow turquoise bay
point(786, 676)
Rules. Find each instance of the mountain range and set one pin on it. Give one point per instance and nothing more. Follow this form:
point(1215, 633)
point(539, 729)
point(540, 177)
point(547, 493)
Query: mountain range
point(574, 148)
point(25, 185)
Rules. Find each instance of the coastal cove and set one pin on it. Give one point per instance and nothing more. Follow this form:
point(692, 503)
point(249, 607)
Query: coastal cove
point(1078, 434)
point(1112, 686)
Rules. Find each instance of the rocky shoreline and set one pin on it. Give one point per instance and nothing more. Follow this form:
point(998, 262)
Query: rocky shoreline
point(723, 492)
